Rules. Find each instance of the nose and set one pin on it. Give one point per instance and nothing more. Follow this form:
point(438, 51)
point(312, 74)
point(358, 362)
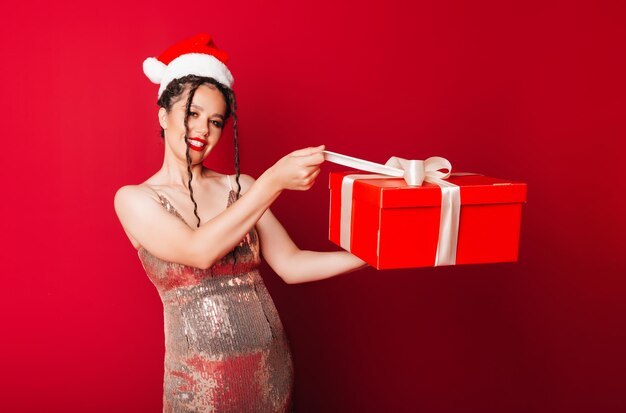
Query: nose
point(202, 130)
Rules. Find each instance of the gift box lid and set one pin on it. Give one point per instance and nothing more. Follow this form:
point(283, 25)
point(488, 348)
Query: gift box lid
point(395, 193)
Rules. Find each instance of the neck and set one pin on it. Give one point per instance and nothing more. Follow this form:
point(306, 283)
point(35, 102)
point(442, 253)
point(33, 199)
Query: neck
point(174, 172)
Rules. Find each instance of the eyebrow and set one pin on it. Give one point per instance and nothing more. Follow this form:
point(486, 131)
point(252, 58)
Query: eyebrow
point(193, 105)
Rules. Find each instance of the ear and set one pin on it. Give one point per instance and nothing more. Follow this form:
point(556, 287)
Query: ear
point(163, 118)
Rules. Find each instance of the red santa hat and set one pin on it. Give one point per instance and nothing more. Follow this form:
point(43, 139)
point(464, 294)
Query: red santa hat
point(195, 56)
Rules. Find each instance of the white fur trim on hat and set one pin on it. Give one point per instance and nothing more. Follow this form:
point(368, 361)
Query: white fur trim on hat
point(154, 69)
point(194, 64)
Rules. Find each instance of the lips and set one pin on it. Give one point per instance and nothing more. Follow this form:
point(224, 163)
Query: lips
point(197, 144)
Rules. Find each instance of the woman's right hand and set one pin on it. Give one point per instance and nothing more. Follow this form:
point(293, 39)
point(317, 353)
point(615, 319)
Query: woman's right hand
point(297, 170)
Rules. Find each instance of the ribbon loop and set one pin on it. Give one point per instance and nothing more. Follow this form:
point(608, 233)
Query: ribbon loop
point(416, 171)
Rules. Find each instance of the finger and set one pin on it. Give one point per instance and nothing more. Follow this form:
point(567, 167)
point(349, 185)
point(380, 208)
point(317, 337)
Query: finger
point(311, 179)
point(309, 170)
point(314, 174)
point(313, 159)
point(308, 151)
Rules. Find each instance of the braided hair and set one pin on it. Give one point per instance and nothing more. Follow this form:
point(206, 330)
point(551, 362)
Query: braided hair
point(169, 96)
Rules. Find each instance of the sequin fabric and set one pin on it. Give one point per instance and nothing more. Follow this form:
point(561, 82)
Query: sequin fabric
point(225, 346)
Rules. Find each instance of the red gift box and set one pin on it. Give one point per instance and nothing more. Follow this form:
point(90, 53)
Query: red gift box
point(394, 225)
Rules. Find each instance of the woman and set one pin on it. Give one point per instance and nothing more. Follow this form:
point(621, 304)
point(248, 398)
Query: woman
point(226, 349)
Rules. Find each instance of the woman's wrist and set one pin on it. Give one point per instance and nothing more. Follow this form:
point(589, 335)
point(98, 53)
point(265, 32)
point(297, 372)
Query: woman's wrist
point(268, 183)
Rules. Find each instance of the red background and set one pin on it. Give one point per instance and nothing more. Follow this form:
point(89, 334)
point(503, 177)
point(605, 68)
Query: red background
point(532, 91)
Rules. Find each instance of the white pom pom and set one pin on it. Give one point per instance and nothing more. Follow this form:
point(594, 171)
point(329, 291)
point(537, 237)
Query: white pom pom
point(154, 69)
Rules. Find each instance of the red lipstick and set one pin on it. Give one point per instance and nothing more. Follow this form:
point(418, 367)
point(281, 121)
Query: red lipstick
point(197, 144)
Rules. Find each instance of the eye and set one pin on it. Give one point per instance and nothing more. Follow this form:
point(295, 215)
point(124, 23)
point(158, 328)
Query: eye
point(194, 114)
point(217, 123)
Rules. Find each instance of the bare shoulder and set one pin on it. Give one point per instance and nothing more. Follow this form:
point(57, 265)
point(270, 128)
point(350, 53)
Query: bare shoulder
point(132, 201)
point(129, 201)
point(132, 194)
point(246, 182)
point(127, 191)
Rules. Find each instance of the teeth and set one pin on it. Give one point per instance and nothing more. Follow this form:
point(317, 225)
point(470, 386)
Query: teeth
point(196, 144)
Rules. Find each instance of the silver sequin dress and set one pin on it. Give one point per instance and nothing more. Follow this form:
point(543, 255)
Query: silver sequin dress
point(225, 346)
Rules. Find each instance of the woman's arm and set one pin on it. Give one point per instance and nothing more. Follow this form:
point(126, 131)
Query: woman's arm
point(294, 265)
point(168, 238)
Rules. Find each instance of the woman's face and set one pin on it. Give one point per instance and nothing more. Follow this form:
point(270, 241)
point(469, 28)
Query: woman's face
point(206, 122)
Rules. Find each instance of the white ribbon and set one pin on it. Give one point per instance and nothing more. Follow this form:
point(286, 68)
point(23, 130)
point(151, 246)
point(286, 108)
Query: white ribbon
point(415, 173)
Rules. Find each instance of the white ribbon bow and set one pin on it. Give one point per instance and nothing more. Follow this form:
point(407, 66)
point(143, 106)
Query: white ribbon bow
point(415, 173)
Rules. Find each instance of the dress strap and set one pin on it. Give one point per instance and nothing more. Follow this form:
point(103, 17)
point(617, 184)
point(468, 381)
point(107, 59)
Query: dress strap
point(168, 205)
point(230, 184)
